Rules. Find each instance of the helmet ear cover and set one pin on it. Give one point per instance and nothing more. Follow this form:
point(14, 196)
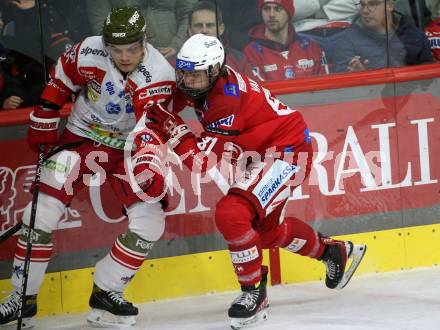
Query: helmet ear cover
point(124, 25)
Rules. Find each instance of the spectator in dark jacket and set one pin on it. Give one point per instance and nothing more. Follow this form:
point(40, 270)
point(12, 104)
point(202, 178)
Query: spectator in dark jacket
point(380, 37)
point(202, 19)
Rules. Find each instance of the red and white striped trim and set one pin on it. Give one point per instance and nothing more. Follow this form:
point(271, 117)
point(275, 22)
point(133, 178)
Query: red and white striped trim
point(126, 257)
point(39, 253)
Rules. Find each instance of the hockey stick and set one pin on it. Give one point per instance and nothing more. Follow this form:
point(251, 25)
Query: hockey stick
point(30, 235)
point(9, 232)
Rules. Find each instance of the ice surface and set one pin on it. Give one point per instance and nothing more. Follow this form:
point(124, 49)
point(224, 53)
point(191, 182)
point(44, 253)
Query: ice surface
point(399, 300)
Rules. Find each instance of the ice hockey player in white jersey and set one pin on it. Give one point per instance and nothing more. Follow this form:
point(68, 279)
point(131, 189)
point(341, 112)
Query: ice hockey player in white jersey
point(116, 77)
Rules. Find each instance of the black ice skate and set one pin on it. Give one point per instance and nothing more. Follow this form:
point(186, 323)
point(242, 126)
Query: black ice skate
point(336, 256)
point(250, 306)
point(110, 309)
point(10, 306)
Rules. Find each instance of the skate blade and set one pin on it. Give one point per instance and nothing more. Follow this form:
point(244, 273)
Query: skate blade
point(103, 319)
point(237, 323)
point(27, 322)
point(356, 257)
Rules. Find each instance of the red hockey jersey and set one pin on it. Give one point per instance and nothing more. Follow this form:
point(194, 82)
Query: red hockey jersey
point(269, 60)
point(432, 31)
point(239, 115)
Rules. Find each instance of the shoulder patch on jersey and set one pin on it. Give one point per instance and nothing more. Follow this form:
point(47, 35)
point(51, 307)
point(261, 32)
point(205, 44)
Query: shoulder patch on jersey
point(231, 89)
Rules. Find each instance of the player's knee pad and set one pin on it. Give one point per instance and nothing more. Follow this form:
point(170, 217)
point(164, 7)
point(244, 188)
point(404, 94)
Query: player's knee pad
point(233, 216)
point(49, 212)
point(146, 220)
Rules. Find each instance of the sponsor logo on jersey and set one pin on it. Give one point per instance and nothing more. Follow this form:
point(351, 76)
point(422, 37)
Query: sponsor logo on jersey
point(142, 69)
point(110, 88)
point(112, 108)
point(223, 131)
point(305, 64)
point(270, 68)
point(434, 42)
point(241, 257)
point(307, 138)
point(185, 65)
point(273, 180)
point(99, 52)
point(227, 122)
point(289, 73)
point(231, 89)
point(156, 91)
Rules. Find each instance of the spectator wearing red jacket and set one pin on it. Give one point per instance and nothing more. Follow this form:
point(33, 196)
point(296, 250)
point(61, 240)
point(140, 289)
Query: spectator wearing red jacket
point(432, 31)
point(276, 52)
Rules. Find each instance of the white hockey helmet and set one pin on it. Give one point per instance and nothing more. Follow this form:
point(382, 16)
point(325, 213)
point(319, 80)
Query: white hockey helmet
point(200, 53)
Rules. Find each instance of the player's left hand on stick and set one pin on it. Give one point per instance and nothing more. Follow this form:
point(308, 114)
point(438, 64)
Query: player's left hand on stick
point(43, 128)
point(170, 125)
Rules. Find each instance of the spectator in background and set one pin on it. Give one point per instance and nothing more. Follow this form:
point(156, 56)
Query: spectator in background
point(432, 31)
point(322, 20)
point(202, 19)
point(74, 15)
point(167, 20)
point(434, 7)
point(239, 17)
point(276, 51)
point(21, 30)
point(377, 32)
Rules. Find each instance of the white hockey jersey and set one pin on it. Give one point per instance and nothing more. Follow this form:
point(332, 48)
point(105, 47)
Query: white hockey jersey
point(108, 105)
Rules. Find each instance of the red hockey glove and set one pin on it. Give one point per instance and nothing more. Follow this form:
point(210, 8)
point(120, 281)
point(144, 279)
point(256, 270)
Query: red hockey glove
point(171, 126)
point(149, 166)
point(43, 128)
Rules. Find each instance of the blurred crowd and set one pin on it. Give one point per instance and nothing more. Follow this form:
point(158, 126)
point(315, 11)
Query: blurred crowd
point(266, 39)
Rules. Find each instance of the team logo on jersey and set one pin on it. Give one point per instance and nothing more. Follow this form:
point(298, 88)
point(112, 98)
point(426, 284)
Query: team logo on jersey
point(304, 64)
point(93, 91)
point(227, 122)
point(231, 89)
point(113, 108)
point(289, 73)
point(185, 65)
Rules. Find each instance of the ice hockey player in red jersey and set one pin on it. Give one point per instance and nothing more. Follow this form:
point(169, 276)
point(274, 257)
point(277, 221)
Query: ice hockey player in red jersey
point(248, 128)
point(117, 77)
point(432, 31)
point(276, 51)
